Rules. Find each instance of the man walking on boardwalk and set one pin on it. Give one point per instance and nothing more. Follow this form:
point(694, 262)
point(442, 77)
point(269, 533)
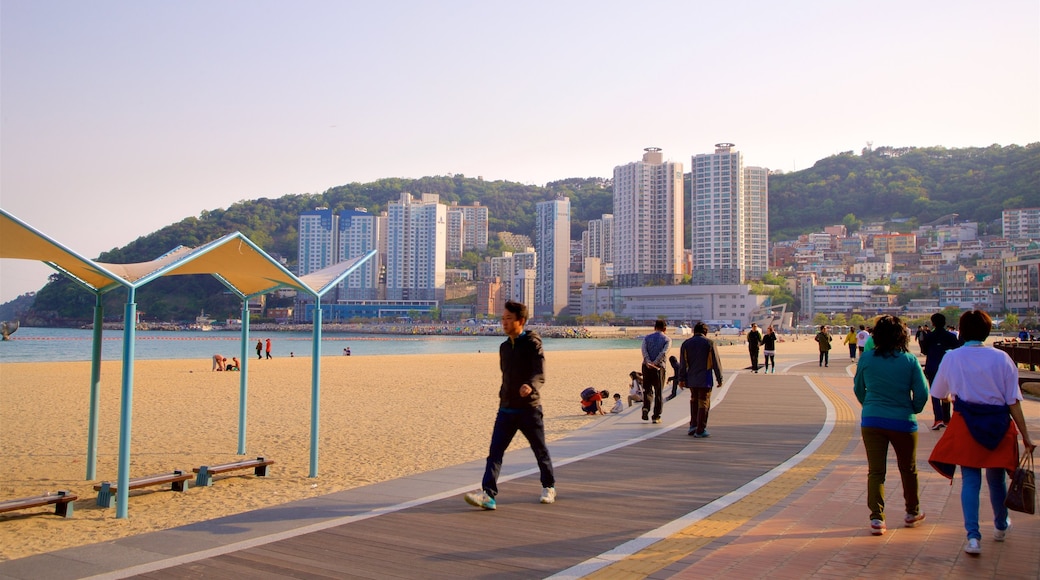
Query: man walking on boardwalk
point(699, 363)
point(519, 409)
point(754, 342)
point(934, 346)
point(655, 353)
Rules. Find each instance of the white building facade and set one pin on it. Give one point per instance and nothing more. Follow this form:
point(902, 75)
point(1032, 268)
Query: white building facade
point(416, 248)
point(730, 218)
point(648, 221)
point(359, 233)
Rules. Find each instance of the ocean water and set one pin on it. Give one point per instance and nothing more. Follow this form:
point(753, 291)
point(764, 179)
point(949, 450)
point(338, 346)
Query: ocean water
point(69, 344)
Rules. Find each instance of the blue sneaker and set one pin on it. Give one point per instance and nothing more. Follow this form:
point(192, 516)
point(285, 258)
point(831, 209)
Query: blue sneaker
point(480, 499)
point(702, 435)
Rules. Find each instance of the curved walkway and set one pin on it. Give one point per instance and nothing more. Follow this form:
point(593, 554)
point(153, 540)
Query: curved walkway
point(777, 491)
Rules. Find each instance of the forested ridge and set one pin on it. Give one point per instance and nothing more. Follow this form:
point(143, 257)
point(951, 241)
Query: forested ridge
point(921, 183)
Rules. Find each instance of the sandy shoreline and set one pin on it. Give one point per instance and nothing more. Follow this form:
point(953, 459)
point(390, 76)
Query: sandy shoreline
point(382, 417)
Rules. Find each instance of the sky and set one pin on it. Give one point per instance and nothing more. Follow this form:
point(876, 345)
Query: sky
point(120, 117)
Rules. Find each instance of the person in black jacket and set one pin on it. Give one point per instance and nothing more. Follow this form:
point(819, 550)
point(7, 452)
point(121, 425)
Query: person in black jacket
point(934, 346)
point(699, 363)
point(754, 342)
point(519, 408)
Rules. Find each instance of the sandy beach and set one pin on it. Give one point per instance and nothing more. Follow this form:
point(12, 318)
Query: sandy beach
point(382, 417)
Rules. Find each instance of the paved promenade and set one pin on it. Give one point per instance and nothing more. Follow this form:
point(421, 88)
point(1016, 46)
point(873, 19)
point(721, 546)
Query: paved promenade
point(778, 491)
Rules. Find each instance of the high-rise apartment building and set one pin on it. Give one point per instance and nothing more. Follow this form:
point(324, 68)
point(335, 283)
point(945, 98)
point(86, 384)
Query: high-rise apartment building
point(598, 240)
point(729, 218)
point(517, 273)
point(552, 242)
point(359, 234)
point(467, 229)
point(648, 221)
point(416, 248)
point(317, 243)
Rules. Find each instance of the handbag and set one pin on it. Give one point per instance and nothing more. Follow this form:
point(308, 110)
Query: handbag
point(1021, 496)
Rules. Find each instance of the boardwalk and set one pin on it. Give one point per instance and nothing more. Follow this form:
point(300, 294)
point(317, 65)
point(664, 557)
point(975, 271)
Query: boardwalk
point(777, 491)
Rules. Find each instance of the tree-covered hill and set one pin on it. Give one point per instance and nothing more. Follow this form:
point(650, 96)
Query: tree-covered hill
point(923, 183)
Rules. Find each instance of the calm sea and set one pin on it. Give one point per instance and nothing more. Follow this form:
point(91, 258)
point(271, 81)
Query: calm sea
point(67, 344)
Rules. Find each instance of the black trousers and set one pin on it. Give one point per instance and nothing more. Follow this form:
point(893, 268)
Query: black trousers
point(653, 384)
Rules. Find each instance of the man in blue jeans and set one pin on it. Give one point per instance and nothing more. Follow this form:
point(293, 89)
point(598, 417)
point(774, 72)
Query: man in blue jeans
point(520, 409)
point(655, 353)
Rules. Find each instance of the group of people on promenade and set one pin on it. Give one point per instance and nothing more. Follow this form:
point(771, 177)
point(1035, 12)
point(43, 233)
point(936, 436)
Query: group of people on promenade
point(980, 433)
point(981, 430)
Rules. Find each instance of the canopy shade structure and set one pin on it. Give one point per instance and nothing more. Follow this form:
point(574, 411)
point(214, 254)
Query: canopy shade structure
point(234, 259)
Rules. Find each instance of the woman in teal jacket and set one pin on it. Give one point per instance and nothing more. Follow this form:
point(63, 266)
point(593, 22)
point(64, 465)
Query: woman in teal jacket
point(890, 385)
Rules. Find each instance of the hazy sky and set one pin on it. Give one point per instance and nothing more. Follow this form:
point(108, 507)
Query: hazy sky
point(120, 117)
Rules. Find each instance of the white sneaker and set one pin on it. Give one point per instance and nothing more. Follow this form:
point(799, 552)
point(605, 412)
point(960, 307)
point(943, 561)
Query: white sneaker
point(972, 547)
point(1000, 535)
point(548, 495)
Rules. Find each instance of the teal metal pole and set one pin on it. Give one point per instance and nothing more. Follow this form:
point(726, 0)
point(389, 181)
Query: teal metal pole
point(315, 385)
point(95, 389)
point(126, 404)
point(243, 383)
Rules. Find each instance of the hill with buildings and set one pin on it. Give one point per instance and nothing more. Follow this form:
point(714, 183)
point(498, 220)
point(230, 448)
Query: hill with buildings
point(922, 184)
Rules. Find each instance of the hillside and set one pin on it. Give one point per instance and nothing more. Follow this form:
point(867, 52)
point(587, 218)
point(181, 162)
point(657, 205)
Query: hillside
point(923, 183)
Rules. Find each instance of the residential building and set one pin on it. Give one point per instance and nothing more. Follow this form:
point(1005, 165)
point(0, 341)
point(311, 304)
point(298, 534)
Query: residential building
point(467, 229)
point(648, 221)
point(895, 243)
point(317, 240)
point(416, 244)
point(1022, 283)
point(598, 240)
point(552, 244)
point(358, 234)
point(730, 222)
point(1021, 224)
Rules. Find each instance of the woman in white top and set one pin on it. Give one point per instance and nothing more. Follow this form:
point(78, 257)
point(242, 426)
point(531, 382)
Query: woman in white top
point(987, 417)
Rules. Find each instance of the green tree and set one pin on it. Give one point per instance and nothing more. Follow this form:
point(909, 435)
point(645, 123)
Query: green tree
point(820, 319)
point(839, 319)
point(1010, 323)
point(856, 320)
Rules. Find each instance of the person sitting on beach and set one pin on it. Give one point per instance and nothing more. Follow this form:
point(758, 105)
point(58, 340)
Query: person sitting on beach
point(618, 407)
point(593, 404)
point(218, 362)
point(635, 392)
point(233, 365)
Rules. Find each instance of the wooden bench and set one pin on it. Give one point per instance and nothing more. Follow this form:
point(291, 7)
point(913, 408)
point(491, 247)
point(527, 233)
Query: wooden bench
point(206, 472)
point(62, 501)
point(106, 489)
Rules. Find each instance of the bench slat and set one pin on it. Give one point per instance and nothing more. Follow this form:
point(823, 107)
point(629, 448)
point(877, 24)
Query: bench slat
point(206, 472)
point(62, 501)
point(106, 489)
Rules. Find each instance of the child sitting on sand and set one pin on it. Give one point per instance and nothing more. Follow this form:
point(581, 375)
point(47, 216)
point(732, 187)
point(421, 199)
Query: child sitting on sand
point(618, 407)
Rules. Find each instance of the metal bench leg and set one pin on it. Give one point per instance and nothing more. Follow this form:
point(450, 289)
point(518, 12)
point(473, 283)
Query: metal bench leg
point(204, 478)
point(104, 496)
point(64, 508)
point(260, 470)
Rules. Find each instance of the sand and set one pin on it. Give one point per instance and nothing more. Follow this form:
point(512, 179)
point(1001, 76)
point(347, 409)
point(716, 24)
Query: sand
point(382, 417)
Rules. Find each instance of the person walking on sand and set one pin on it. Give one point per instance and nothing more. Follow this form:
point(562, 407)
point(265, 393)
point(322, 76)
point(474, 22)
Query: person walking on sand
point(861, 339)
point(824, 338)
point(655, 353)
point(890, 385)
point(699, 363)
point(269, 348)
point(522, 362)
point(259, 349)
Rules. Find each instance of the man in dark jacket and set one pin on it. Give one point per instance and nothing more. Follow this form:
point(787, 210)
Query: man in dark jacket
point(754, 342)
point(934, 346)
point(699, 363)
point(519, 406)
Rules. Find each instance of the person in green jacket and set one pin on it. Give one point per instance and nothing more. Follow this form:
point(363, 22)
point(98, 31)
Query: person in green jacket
point(891, 386)
point(824, 338)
